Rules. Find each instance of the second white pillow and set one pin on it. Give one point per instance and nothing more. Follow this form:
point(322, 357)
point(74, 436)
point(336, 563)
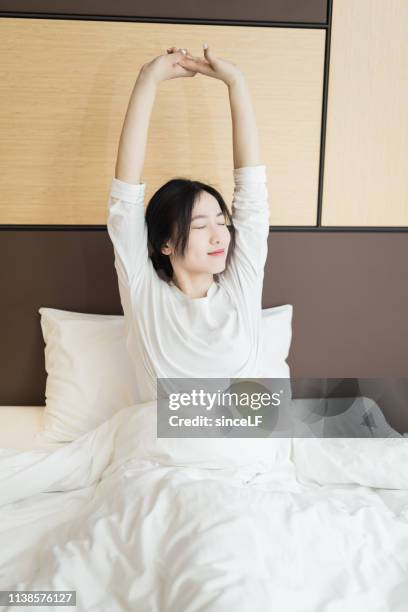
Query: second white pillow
point(90, 373)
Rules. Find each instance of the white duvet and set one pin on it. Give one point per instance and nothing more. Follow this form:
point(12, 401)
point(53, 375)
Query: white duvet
point(128, 533)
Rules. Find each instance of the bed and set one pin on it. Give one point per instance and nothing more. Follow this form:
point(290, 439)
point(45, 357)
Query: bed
point(130, 526)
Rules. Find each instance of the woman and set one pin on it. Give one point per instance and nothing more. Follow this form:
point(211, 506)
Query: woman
point(191, 291)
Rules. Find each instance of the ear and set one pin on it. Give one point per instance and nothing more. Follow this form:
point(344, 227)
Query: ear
point(166, 250)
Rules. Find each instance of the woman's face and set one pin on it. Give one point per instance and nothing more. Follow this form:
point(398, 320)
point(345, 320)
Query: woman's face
point(208, 234)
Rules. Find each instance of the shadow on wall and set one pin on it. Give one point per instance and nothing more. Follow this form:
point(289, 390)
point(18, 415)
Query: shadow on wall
point(390, 394)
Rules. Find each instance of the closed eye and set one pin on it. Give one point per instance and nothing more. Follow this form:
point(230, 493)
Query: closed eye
point(203, 226)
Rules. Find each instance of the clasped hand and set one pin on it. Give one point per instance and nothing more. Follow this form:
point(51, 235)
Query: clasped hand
point(177, 63)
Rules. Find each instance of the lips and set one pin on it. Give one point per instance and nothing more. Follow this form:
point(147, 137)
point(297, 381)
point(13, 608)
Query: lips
point(219, 252)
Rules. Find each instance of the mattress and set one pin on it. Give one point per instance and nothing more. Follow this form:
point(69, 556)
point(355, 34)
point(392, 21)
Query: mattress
point(19, 426)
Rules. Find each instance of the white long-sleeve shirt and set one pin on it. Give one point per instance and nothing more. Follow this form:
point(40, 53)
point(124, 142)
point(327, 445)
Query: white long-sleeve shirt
point(168, 333)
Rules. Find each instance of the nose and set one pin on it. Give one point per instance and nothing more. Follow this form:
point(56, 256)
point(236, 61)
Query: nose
point(216, 235)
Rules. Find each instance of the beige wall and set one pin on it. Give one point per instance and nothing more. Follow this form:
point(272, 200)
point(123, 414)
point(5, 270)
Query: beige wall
point(366, 160)
point(65, 92)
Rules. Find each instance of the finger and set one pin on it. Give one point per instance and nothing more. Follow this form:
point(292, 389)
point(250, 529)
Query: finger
point(191, 60)
point(207, 53)
point(177, 58)
point(173, 50)
point(178, 55)
point(178, 50)
point(183, 72)
point(196, 64)
point(186, 65)
point(187, 71)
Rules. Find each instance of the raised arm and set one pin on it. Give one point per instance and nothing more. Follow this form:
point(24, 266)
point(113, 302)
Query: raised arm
point(244, 129)
point(250, 210)
point(133, 138)
point(126, 219)
point(126, 212)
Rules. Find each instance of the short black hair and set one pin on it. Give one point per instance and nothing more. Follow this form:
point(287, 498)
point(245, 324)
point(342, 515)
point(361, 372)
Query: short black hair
point(168, 216)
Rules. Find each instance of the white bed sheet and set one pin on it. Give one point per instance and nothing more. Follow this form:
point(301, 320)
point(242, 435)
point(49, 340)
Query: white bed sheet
point(137, 535)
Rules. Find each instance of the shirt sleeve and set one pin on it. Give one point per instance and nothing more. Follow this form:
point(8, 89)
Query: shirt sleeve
point(128, 232)
point(250, 214)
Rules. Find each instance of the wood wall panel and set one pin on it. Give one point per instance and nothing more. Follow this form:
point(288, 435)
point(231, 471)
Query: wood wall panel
point(366, 158)
point(64, 90)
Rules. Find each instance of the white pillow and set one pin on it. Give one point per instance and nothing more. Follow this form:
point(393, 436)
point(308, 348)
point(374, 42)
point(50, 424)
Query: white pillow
point(276, 341)
point(90, 374)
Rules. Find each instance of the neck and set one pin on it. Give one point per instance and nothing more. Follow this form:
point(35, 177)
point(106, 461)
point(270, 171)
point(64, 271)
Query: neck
point(195, 286)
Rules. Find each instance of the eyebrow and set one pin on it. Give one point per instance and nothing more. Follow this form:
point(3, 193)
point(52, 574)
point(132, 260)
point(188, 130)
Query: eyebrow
point(206, 216)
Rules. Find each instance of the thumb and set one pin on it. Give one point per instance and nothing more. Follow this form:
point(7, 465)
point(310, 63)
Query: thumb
point(207, 52)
